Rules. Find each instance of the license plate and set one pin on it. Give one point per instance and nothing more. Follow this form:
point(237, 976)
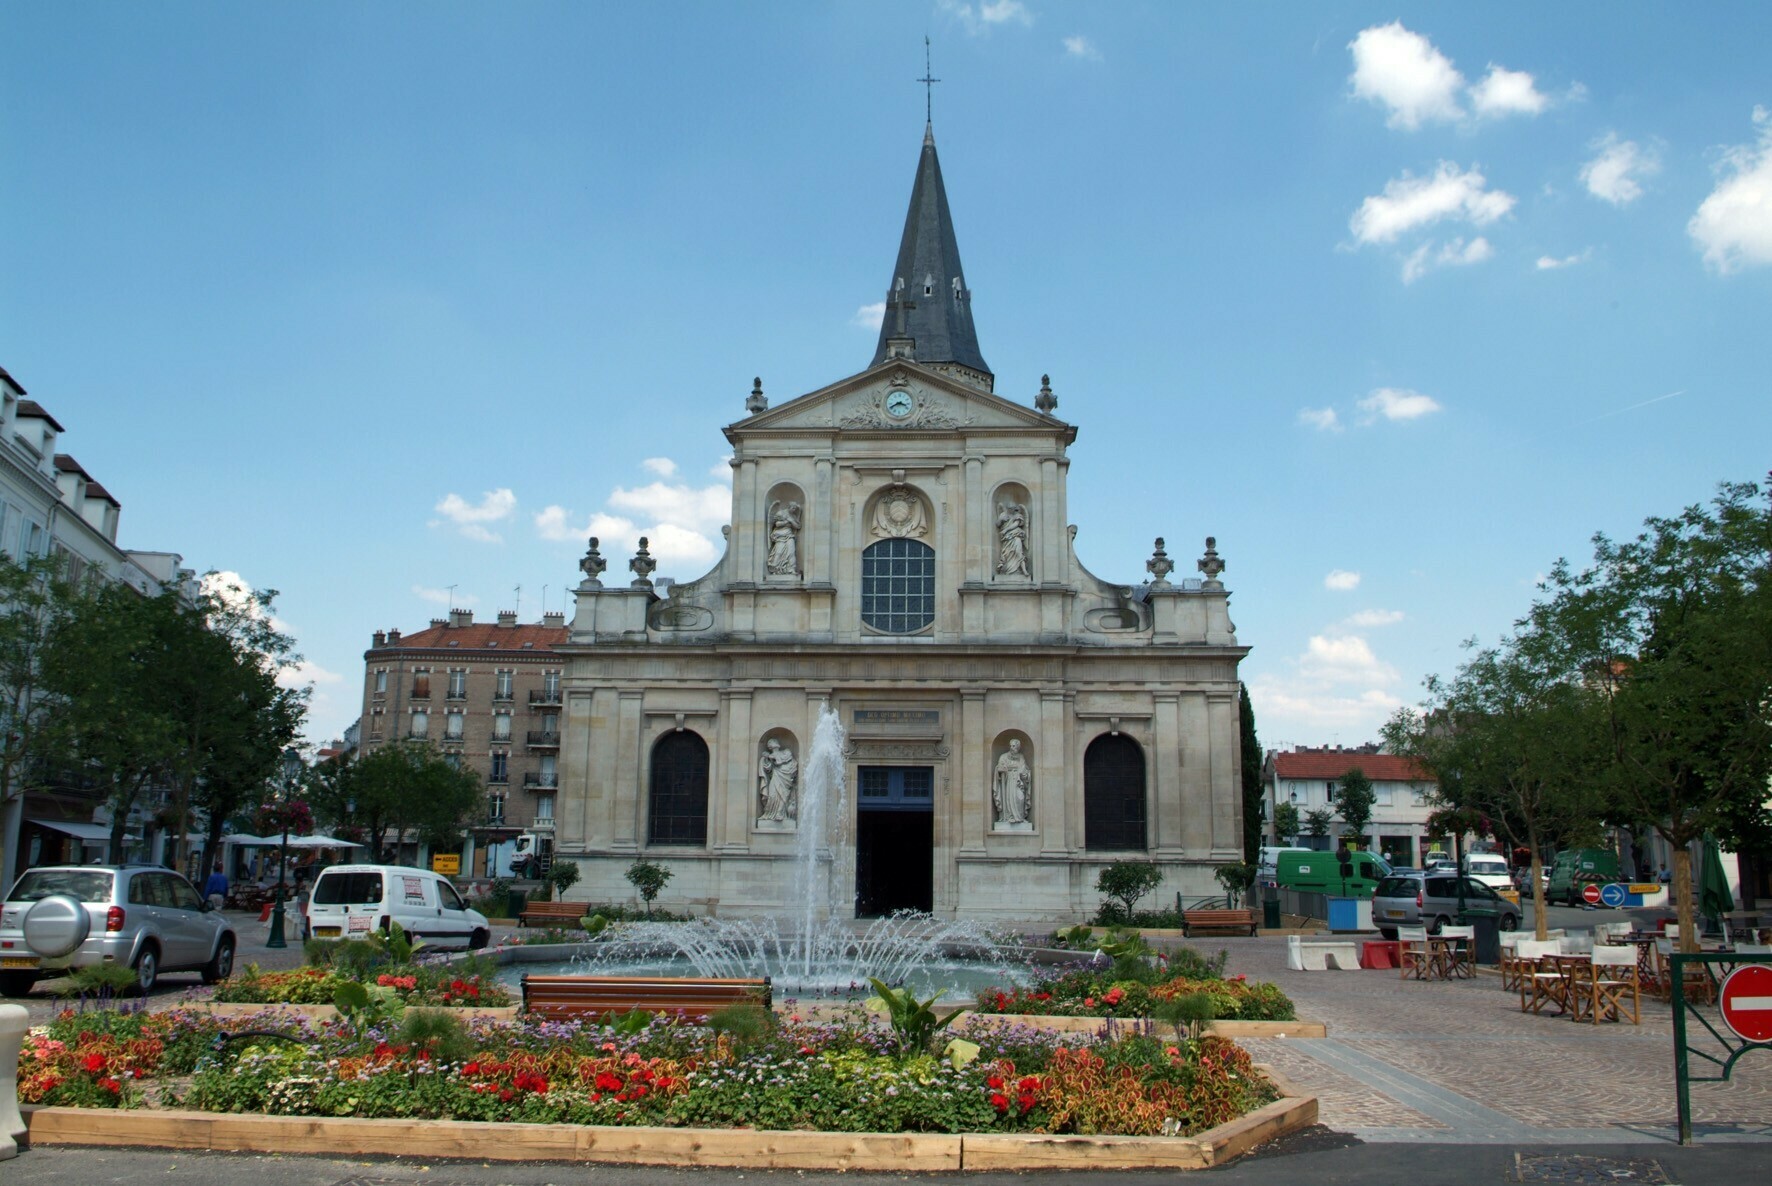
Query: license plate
point(18, 961)
point(1393, 914)
point(360, 924)
point(326, 932)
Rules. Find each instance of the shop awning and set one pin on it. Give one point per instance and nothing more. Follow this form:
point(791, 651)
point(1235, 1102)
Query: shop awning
point(91, 833)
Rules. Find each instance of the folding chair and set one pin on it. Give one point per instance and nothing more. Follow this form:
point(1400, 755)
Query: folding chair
point(1413, 955)
point(1540, 981)
point(1575, 945)
point(1613, 978)
point(1459, 952)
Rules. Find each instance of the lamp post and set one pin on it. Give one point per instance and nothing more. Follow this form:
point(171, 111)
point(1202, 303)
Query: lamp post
point(291, 768)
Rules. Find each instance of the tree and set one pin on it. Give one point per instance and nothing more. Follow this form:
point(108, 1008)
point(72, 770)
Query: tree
point(402, 786)
point(1128, 881)
point(32, 596)
point(1286, 822)
point(562, 876)
point(1670, 636)
point(1253, 798)
point(1355, 799)
point(648, 878)
point(1317, 821)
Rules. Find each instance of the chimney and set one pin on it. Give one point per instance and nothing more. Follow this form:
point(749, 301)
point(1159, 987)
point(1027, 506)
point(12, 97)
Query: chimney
point(393, 638)
point(380, 638)
point(439, 623)
point(555, 618)
point(461, 617)
point(507, 617)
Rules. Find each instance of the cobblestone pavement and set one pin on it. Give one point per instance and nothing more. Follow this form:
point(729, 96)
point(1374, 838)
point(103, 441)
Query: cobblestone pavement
point(1457, 1062)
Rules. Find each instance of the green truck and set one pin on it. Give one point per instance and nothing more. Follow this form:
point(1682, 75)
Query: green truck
point(1324, 873)
point(1575, 868)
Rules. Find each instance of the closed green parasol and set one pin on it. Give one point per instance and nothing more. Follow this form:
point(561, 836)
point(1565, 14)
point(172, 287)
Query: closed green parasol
point(1714, 899)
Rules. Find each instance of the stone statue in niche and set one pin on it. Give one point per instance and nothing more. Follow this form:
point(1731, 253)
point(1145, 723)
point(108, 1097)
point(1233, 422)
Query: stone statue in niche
point(1012, 539)
point(784, 539)
point(1012, 791)
point(899, 515)
point(778, 774)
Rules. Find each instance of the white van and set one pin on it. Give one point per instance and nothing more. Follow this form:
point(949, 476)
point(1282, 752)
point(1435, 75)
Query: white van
point(350, 901)
point(1491, 869)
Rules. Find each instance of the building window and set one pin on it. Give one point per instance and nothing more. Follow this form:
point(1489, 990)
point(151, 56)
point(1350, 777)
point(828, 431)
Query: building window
point(421, 724)
point(1113, 794)
point(502, 691)
point(550, 683)
point(453, 759)
point(678, 800)
point(898, 586)
point(1329, 792)
point(452, 726)
point(458, 684)
point(495, 807)
point(381, 682)
point(501, 726)
point(421, 685)
point(544, 809)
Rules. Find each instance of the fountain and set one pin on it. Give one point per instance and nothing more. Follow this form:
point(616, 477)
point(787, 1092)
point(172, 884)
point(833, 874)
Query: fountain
point(818, 954)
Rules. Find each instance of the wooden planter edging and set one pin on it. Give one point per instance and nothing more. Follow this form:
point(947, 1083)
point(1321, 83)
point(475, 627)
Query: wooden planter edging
point(1088, 1025)
point(328, 1012)
point(740, 1148)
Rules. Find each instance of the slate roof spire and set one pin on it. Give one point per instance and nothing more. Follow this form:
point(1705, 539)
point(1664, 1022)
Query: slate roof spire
point(927, 301)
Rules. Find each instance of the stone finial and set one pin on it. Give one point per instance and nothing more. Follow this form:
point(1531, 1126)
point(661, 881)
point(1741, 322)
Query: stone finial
point(1159, 566)
point(592, 566)
point(642, 565)
point(1211, 565)
point(756, 401)
point(1046, 401)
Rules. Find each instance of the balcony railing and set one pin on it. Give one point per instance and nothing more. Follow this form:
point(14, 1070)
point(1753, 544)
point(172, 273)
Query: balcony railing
point(498, 780)
point(544, 738)
point(542, 825)
point(535, 780)
point(421, 694)
point(456, 696)
point(418, 734)
point(544, 696)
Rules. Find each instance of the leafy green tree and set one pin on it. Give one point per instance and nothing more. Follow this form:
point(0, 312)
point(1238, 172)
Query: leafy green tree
point(1253, 797)
point(32, 597)
point(1355, 800)
point(1287, 825)
point(400, 787)
point(1317, 822)
point(562, 876)
point(1128, 881)
point(648, 878)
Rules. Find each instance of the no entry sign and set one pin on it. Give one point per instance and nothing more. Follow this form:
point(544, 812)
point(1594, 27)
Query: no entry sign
point(1747, 1002)
point(1590, 893)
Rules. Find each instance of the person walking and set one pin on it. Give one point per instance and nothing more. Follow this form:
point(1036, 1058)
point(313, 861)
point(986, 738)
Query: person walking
point(216, 888)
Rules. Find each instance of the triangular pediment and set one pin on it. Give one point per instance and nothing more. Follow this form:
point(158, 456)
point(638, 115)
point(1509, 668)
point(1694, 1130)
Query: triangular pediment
point(898, 396)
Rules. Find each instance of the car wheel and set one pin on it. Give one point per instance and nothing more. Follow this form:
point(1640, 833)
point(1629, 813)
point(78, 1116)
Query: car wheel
point(222, 966)
point(147, 969)
point(480, 938)
point(1509, 922)
point(1433, 928)
point(16, 984)
point(1390, 933)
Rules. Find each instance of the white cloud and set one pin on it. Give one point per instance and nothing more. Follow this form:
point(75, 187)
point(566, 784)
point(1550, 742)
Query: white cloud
point(1287, 708)
point(1343, 659)
point(1405, 73)
point(680, 522)
point(1507, 92)
point(1082, 47)
point(1410, 202)
point(1394, 403)
point(664, 467)
point(1341, 580)
point(1734, 224)
point(870, 316)
point(1456, 253)
point(722, 469)
point(470, 519)
point(1322, 419)
point(1616, 174)
point(1547, 263)
point(442, 597)
point(988, 14)
point(304, 673)
point(1368, 619)
point(235, 592)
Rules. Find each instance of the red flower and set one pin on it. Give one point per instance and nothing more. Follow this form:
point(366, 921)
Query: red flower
point(1029, 1084)
point(1114, 995)
point(995, 1083)
point(608, 1082)
point(1000, 1102)
point(110, 1085)
point(1025, 1101)
point(1088, 1002)
point(506, 1095)
point(805, 1050)
point(95, 1063)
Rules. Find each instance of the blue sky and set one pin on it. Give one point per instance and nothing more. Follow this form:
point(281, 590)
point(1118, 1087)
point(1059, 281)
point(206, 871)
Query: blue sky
point(362, 302)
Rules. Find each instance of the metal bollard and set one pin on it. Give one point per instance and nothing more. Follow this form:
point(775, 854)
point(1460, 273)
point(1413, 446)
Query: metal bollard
point(15, 1023)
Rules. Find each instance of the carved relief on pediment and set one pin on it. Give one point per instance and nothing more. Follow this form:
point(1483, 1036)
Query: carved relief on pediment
point(902, 404)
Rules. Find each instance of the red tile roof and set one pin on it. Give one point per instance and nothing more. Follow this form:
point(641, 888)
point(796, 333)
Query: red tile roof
point(1332, 763)
point(481, 636)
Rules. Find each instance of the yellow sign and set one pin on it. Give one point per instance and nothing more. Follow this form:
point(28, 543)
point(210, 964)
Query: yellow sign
point(446, 863)
point(1650, 888)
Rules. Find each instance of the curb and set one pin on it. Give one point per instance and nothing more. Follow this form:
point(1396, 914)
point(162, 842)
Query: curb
point(1084, 1025)
point(328, 1012)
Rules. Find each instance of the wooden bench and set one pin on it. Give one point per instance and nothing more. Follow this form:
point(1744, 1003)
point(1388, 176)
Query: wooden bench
point(552, 914)
point(1217, 920)
point(567, 998)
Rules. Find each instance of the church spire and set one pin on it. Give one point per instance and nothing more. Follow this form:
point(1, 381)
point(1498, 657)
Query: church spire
point(928, 306)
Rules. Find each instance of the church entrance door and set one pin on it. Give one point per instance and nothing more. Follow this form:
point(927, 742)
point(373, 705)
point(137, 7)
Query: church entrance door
point(894, 839)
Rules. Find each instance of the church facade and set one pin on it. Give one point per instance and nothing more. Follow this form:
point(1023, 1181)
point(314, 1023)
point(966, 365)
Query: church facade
point(900, 551)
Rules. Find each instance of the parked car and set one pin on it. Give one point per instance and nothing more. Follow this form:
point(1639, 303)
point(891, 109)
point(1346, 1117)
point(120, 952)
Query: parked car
point(1267, 861)
point(1431, 900)
point(62, 917)
point(350, 901)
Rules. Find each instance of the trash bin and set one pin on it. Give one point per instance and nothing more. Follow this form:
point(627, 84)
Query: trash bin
point(516, 901)
point(1488, 935)
point(1270, 912)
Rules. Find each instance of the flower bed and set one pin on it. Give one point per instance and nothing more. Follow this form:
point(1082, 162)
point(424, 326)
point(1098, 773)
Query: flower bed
point(433, 985)
point(1090, 993)
point(839, 1076)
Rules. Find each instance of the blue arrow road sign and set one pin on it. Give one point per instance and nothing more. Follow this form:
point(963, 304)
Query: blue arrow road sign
point(1612, 895)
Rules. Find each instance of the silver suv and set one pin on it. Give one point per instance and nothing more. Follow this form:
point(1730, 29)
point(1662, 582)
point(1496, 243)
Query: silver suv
point(1431, 900)
point(144, 917)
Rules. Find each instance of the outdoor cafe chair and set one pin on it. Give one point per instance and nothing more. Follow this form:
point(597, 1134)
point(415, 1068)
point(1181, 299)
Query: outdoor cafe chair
point(1575, 945)
point(1457, 953)
point(1699, 986)
point(1611, 978)
point(1414, 957)
point(1753, 949)
point(1541, 981)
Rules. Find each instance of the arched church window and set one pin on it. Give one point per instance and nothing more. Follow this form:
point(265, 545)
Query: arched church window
point(677, 805)
point(898, 586)
point(1113, 794)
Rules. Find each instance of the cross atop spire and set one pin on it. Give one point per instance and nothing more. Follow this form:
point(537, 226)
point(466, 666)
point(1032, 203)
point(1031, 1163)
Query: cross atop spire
point(928, 91)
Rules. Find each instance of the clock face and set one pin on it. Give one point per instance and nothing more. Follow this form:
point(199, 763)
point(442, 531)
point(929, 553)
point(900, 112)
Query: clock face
point(899, 404)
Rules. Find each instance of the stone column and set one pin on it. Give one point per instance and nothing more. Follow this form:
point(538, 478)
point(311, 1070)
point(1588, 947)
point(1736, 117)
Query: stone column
point(627, 791)
point(746, 512)
point(1227, 837)
point(980, 548)
point(1196, 776)
point(820, 563)
point(1045, 558)
point(1169, 759)
point(739, 784)
point(1058, 802)
point(972, 754)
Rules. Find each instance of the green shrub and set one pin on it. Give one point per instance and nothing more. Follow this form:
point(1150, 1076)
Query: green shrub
point(1125, 882)
point(648, 878)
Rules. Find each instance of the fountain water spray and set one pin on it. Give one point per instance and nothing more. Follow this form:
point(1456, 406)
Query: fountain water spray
point(822, 789)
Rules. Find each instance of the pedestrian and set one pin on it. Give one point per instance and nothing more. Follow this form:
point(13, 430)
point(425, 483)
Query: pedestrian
point(216, 888)
point(1662, 875)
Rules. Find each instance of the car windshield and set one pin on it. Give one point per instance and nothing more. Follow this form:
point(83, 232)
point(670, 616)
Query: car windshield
point(1489, 867)
point(348, 889)
point(88, 885)
point(1397, 887)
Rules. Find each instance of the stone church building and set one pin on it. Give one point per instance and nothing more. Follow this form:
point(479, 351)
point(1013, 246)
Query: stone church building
point(900, 550)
